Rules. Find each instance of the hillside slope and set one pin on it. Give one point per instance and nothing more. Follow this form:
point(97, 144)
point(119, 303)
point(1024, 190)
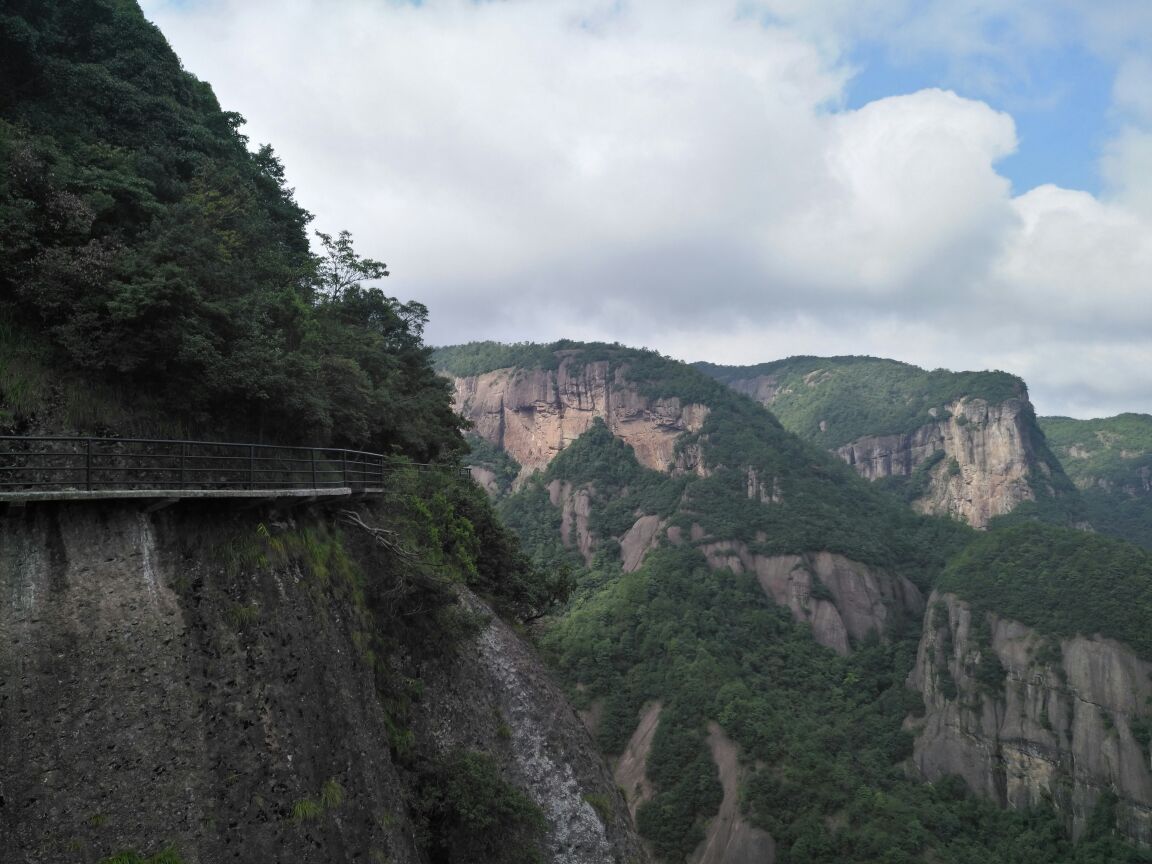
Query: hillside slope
point(744, 615)
point(155, 274)
point(1110, 461)
point(964, 444)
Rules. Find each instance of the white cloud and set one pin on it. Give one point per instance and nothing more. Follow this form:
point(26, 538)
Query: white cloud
point(680, 175)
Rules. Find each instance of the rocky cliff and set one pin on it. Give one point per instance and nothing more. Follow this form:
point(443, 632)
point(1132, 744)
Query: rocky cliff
point(532, 414)
point(977, 461)
point(1029, 720)
point(962, 444)
point(167, 680)
point(844, 601)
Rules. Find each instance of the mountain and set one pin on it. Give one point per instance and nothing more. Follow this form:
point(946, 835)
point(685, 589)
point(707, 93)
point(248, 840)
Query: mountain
point(964, 444)
point(745, 615)
point(207, 682)
point(1110, 461)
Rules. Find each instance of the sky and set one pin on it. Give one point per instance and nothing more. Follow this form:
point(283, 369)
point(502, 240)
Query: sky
point(963, 184)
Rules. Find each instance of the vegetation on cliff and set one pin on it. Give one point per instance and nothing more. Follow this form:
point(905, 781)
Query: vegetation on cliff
point(1060, 581)
point(832, 401)
point(1110, 461)
point(825, 731)
point(156, 275)
point(156, 278)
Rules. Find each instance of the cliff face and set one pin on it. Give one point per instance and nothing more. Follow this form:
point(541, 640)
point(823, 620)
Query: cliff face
point(978, 459)
point(148, 698)
point(843, 600)
point(968, 442)
point(1048, 721)
point(533, 414)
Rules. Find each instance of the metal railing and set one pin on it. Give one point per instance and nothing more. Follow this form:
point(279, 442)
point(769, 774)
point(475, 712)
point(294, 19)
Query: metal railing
point(44, 463)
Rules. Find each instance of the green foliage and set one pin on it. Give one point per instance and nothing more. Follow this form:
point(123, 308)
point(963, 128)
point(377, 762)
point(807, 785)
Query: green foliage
point(306, 810)
point(483, 454)
point(471, 813)
point(823, 732)
point(1110, 460)
point(476, 358)
point(832, 401)
point(159, 265)
point(602, 804)
point(164, 856)
point(1061, 581)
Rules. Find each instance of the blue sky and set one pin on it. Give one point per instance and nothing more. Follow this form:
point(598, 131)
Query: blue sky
point(1059, 97)
point(954, 183)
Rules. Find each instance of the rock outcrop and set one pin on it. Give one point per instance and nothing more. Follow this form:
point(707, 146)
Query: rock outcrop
point(148, 698)
point(843, 600)
point(497, 698)
point(729, 838)
point(1030, 720)
point(533, 414)
point(979, 459)
point(974, 460)
point(631, 773)
point(575, 508)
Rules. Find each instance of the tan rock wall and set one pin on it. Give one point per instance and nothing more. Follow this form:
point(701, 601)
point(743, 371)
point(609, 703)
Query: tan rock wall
point(533, 414)
point(991, 449)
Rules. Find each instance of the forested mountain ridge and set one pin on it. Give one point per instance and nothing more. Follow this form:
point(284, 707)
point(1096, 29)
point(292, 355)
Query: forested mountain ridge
point(958, 443)
point(715, 559)
point(156, 274)
point(1110, 461)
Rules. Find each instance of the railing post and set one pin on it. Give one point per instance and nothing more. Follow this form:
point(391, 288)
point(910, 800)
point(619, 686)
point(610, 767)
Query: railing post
point(183, 456)
point(314, 486)
point(88, 464)
point(344, 467)
point(251, 466)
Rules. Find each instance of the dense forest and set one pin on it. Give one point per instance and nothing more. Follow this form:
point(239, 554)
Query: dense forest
point(156, 274)
point(834, 400)
point(1110, 461)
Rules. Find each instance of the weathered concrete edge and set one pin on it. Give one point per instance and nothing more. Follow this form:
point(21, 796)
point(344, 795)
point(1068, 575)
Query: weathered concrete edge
point(179, 494)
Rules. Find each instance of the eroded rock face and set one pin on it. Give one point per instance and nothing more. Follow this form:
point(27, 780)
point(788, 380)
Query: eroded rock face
point(729, 839)
point(147, 699)
point(497, 698)
point(631, 773)
point(1058, 726)
point(987, 459)
point(575, 508)
point(533, 414)
point(842, 599)
point(638, 540)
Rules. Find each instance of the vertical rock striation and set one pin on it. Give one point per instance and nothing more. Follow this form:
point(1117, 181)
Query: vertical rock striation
point(533, 414)
point(979, 460)
point(1029, 720)
point(151, 698)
